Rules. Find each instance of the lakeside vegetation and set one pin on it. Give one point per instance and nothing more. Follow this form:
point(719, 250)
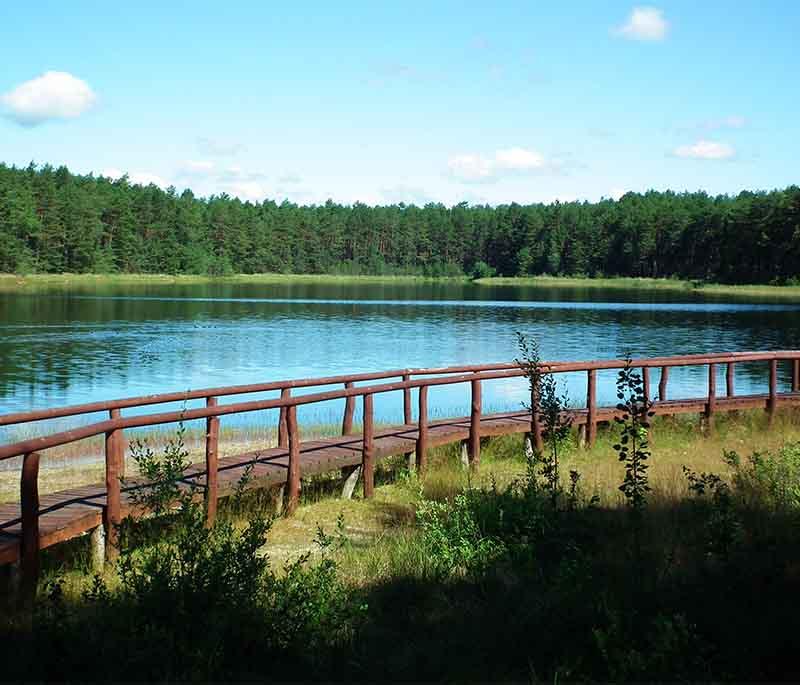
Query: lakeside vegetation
point(32, 282)
point(54, 221)
point(457, 576)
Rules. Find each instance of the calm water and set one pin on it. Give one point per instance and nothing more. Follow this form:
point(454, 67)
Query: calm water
point(62, 347)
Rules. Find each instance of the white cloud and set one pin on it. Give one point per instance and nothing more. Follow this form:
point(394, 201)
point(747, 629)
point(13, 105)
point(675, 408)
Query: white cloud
point(194, 167)
point(644, 23)
point(246, 190)
point(53, 95)
point(218, 148)
point(140, 178)
point(616, 193)
point(734, 121)
point(705, 149)
point(472, 168)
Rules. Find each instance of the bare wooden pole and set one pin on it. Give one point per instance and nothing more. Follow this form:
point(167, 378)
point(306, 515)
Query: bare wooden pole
point(796, 375)
point(283, 428)
point(293, 476)
point(349, 410)
point(591, 405)
point(29, 542)
point(422, 436)
point(730, 379)
point(368, 449)
point(711, 403)
point(662, 384)
point(646, 382)
point(212, 455)
point(407, 416)
point(772, 405)
point(475, 426)
point(113, 510)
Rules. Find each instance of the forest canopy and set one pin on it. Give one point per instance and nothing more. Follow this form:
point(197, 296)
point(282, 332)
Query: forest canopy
point(54, 221)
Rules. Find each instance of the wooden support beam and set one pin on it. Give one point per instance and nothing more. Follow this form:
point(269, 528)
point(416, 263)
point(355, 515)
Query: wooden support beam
point(29, 542)
point(475, 426)
point(212, 466)
point(772, 403)
point(646, 382)
point(662, 383)
point(591, 406)
point(293, 475)
point(711, 403)
point(368, 449)
point(796, 375)
point(730, 379)
point(349, 410)
point(407, 417)
point(283, 427)
point(113, 510)
point(422, 433)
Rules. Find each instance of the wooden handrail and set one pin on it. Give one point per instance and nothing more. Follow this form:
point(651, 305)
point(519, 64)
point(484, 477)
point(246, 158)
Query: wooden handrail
point(513, 370)
point(201, 394)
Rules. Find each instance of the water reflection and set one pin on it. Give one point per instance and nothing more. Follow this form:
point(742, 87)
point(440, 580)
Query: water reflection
point(102, 342)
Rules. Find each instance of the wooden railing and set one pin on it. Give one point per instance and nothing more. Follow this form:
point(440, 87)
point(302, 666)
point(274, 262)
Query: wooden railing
point(289, 432)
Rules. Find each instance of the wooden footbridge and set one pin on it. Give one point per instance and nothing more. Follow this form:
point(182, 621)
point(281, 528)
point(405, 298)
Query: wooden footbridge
point(37, 522)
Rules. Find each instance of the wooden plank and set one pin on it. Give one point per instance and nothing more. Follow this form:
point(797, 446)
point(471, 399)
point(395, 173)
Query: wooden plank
point(711, 404)
point(662, 384)
point(407, 417)
point(730, 379)
point(646, 382)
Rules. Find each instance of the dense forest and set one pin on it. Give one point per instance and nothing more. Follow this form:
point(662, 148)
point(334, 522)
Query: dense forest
point(54, 221)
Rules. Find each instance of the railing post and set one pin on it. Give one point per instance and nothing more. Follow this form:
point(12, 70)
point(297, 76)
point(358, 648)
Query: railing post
point(29, 543)
point(113, 510)
point(662, 384)
point(283, 428)
point(407, 418)
point(212, 454)
point(422, 437)
point(114, 414)
point(591, 406)
point(730, 377)
point(368, 449)
point(711, 404)
point(475, 426)
point(349, 409)
point(796, 375)
point(646, 382)
point(772, 404)
point(293, 475)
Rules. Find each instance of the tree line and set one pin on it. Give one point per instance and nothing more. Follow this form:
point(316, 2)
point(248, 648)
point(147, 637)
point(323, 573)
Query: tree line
point(53, 221)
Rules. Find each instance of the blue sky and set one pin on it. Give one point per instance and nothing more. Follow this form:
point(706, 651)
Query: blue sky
point(384, 102)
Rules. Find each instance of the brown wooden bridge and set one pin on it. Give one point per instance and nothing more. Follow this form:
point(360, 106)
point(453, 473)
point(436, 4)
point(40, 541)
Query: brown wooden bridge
point(37, 522)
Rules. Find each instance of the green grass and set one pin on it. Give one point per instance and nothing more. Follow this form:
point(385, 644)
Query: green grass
point(31, 282)
point(648, 284)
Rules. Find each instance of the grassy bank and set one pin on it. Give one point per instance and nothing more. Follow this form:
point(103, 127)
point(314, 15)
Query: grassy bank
point(666, 285)
point(21, 283)
point(459, 576)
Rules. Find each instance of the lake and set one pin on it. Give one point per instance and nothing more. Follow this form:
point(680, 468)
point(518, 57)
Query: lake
point(86, 343)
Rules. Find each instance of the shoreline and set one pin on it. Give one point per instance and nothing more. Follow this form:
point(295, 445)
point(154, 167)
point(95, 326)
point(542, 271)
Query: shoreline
point(22, 283)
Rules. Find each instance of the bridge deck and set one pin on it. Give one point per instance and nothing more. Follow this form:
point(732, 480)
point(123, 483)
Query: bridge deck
point(69, 513)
